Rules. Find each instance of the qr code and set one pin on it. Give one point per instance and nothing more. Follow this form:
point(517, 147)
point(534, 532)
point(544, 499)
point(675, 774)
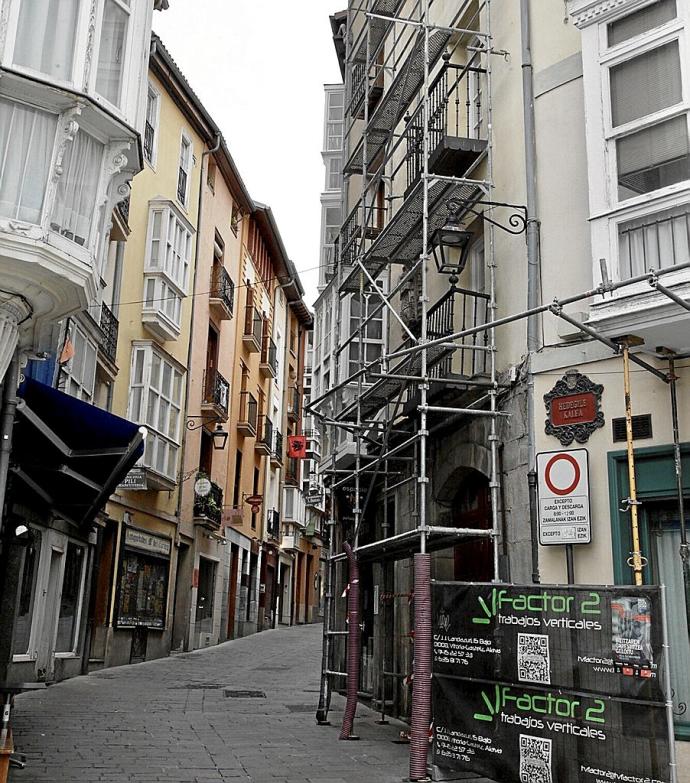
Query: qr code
point(535, 759)
point(533, 658)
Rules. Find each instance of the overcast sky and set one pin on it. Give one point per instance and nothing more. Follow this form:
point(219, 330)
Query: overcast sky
point(259, 67)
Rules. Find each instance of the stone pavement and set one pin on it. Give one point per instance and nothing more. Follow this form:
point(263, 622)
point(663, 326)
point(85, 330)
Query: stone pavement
point(170, 720)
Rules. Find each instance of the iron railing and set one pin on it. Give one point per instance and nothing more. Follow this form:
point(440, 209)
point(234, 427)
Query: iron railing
point(210, 506)
point(222, 286)
point(269, 354)
point(455, 109)
point(123, 208)
point(273, 524)
point(277, 448)
point(264, 433)
point(293, 403)
point(110, 327)
point(351, 231)
point(457, 310)
point(149, 134)
point(182, 185)
point(292, 471)
point(249, 410)
point(253, 323)
point(216, 390)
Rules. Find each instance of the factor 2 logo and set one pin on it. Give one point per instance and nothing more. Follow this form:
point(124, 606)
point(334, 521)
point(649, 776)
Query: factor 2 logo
point(535, 603)
point(539, 704)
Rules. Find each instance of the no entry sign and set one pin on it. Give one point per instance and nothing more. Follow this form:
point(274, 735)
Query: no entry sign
point(563, 481)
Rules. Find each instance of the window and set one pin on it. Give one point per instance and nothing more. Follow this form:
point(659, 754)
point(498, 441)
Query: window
point(46, 33)
point(155, 400)
point(372, 334)
point(21, 636)
point(77, 186)
point(112, 50)
point(167, 267)
point(151, 125)
point(648, 117)
point(183, 171)
point(80, 372)
point(655, 241)
point(237, 486)
point(27, 137)
point(334, 179)
point(334, 121)
point(331, 230)
point(70, 599)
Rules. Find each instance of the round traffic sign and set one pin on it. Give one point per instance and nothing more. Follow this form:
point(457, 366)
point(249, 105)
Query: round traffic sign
point(561, 488)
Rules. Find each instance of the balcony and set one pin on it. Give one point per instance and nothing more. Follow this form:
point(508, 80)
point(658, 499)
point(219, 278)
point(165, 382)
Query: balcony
point(277, 449)
point(264, 438)
point(216, 394)
point(148, 141)
point(249, 410)
point(253, 329)
point(110, 327)
point(273, 524)
point(293, 406)
point(208, 509)
point(313, 444)
point(269, 358)
point(292, 471)
point(291, 541)
point(222, 293)
point(182, 186)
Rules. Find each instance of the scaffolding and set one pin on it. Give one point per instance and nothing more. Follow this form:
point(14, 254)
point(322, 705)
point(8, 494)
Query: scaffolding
point(419, 157)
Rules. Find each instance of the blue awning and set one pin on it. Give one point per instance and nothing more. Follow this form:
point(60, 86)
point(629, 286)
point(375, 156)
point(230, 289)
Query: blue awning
point(69, 455)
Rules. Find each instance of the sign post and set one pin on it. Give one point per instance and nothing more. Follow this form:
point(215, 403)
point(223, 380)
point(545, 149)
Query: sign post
point(564, 508)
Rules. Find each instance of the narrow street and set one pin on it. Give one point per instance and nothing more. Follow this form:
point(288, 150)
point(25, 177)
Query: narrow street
point(173, 720)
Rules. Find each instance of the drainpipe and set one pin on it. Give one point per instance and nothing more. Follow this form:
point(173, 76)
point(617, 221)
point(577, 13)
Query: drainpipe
point(183, 445)
point(532, 236)
point(354, 645)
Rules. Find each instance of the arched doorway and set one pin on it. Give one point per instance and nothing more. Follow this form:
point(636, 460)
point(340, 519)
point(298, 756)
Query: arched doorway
point(471, 507)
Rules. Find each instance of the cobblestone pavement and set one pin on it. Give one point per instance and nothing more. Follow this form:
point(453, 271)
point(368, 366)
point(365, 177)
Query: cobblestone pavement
point(170, 720)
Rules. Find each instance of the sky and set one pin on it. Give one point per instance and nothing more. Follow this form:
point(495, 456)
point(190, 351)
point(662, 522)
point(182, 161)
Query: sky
point(259, 67)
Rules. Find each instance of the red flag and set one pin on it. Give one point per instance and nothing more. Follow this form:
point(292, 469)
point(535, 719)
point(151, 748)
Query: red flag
point(297, 446)
point(67, 350)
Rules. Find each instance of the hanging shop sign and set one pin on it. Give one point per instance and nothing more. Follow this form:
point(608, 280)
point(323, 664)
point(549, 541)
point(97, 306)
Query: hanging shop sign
point(135, 479)
point(573, 408)
point(148, 542)
point(563, 488)
point(297, 446)
point(550, 683)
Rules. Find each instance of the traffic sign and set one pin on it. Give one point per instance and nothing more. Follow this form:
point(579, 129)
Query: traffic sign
point(563, 484)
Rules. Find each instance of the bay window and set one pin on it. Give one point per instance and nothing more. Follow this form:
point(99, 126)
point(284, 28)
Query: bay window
point(27, 136)
point(167, 269)
point(155, 400)
point(46, 37)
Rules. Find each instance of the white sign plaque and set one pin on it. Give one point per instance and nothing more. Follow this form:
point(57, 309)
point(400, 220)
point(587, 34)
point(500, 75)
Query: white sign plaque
point(563, 484)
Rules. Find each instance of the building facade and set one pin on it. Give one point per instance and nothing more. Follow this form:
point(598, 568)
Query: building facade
point(571, 156)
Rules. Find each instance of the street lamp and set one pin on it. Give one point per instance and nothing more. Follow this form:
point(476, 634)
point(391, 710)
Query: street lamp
point(219, 435)
point(451, 243)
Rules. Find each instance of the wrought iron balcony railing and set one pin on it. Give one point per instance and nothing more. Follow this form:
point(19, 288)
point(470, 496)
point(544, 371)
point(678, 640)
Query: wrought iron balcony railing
point(269, 355)
point(249, 411)
point(149, 133)
point(456, 310)
point(277, 448)
point(264, 434)
point(216, 390)
point(110, 327)
point(292, 471)
point(182, 185)
point(210, 507)
point(253, 325)
point(222, 287)
point(293, 406)
point(273, 524)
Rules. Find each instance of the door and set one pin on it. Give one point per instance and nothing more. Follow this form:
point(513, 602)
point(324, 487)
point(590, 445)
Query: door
point(472, 509)
point(205, 601)
point(45, 660)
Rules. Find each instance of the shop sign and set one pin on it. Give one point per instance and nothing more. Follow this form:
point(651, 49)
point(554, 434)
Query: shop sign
point(147, 542)
point(135, 479)
point(563, 487)
point(549, 683)
point(573, 408)
point(202, 487)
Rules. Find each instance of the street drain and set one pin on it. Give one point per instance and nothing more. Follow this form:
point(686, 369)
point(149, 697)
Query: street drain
point(233, 694)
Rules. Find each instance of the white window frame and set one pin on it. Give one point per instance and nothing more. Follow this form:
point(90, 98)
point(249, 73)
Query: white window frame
point(163, 275)
point(85, 391)
point(74, 652)
point(629, 49)
point(156, 436)
point(185, 139)
point(152, 91)
point(330, 122)
point(129, 8)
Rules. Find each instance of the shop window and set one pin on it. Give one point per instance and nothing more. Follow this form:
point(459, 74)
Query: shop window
point(71, 599)
point(21, 636)
point(112, 51)
point(143, 590)
point(27, 136)
point(46, 34)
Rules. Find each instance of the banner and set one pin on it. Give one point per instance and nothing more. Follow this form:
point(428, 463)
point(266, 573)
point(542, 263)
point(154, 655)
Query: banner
point(540, 683)
point(297, 446)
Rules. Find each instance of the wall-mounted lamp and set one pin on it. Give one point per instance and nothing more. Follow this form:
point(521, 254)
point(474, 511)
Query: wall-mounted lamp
point(220, 436)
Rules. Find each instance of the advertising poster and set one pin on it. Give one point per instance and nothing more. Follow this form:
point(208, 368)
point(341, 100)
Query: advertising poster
point(592, 639)
point(540, 683)
point(522, 734)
